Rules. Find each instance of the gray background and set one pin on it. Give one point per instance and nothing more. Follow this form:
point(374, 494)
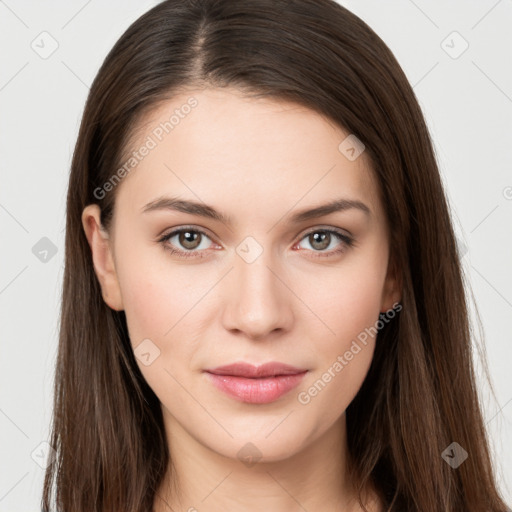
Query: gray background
point(466, 97)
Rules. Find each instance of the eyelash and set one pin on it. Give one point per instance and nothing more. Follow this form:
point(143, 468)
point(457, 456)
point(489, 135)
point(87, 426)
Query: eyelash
point(348, 242)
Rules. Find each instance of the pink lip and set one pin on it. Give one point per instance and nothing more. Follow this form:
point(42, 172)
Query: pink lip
point(256, 384)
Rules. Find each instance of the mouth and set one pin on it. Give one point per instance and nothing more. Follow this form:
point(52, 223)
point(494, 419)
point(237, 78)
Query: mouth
point(256, 384)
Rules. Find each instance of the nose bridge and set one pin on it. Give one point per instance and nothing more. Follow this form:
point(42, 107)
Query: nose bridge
point(259, 301)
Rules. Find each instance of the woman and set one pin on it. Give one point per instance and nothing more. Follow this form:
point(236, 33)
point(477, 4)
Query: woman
point(263, 306)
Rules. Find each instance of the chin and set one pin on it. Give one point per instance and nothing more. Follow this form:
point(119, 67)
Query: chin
point(261, 447)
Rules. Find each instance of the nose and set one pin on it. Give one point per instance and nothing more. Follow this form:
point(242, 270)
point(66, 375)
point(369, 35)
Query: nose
point(258, 298)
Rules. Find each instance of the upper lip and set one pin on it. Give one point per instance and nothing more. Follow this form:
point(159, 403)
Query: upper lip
point(242, 369)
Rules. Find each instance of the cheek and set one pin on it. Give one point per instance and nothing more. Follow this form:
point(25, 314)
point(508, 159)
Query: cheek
point(346, 301)
point(157, 294)
point(342, 363)
point(348, 308)
point(164, 303)
point(161, 304)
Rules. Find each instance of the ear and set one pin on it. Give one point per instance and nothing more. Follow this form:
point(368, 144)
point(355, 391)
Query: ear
point(392, 290)
point(102, 257)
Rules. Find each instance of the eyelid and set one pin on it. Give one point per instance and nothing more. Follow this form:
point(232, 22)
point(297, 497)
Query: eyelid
point(177, 229)
point(322, 227)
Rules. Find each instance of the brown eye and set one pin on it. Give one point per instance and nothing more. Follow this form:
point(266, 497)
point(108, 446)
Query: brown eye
point(189, 239)
point(188, 242)
point(321, 239)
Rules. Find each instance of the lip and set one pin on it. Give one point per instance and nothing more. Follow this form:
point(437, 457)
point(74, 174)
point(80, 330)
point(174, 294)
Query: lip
point(241, 369)
point(256, 384)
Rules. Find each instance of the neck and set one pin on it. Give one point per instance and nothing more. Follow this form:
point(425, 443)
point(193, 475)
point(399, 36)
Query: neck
point(314, 478)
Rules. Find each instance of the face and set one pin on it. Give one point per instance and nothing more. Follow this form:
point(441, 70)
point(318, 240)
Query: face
point(254, 282)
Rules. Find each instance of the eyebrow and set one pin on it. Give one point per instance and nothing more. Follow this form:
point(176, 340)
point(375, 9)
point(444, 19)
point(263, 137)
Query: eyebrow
point(204, 210)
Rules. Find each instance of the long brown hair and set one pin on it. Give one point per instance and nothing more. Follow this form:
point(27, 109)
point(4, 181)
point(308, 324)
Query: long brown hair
point(419, 395)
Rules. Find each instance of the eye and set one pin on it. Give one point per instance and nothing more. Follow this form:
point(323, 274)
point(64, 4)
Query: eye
point(320, 239)
point(187, 237)
point(190, 240)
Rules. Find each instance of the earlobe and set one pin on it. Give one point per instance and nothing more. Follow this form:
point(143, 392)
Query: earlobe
point(102, 257)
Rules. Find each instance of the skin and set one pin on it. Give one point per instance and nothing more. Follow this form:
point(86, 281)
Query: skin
point(258, 161)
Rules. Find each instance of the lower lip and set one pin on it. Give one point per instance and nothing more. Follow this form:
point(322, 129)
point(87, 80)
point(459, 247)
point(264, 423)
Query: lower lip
point(256, 391)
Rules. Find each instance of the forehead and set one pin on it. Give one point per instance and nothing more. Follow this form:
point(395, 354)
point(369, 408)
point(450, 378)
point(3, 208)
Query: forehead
point(235, 150)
